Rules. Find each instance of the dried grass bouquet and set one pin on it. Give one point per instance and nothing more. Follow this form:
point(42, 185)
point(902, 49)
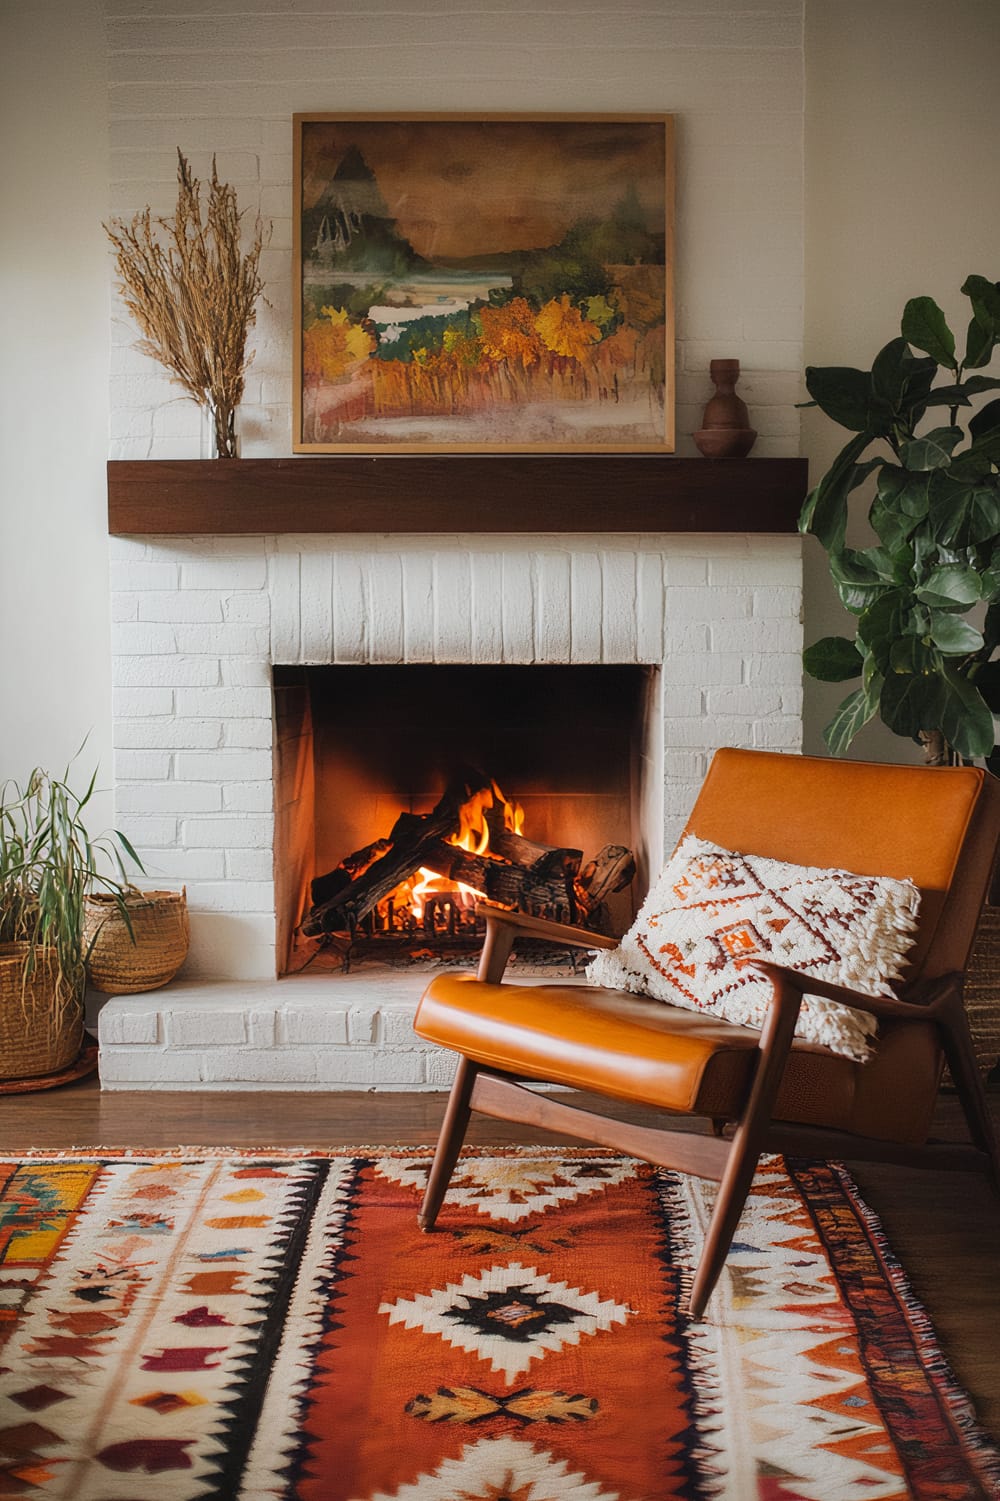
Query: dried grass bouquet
point(193, 293)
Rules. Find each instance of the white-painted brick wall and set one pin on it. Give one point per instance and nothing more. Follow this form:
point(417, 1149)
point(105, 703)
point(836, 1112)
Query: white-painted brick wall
point(739, 239)
point(718, 614)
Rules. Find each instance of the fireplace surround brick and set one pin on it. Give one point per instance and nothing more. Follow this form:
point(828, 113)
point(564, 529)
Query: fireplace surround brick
point(198, 624)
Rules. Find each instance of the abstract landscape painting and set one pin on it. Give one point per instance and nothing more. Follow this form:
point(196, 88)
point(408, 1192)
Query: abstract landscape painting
point(498, 283)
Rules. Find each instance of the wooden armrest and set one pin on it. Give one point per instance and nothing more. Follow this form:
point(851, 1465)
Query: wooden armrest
point(928, 1000)
point(544, 927)
point(502, 927)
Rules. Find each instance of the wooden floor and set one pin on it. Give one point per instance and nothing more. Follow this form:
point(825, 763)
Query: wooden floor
point(944, 1227)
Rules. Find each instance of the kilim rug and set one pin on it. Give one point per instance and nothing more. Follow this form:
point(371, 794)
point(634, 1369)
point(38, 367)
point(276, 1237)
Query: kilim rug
point(241, 1326)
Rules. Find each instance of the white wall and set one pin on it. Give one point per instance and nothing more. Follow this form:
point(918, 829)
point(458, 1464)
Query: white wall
point(902, 146)
point(54, 342)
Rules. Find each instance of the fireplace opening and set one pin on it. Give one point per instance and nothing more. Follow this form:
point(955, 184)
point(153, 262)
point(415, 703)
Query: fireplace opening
point(531, 786)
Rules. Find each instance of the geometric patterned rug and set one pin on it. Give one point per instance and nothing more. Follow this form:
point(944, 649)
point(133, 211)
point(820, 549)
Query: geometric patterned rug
point(238, 1326)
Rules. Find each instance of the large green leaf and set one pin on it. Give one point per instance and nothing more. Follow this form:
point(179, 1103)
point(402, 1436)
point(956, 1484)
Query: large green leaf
point(962, 515)
point(987, 681)
point(891, 523)
point(911, 702)
point(985, 325)
point(953, 636)
point(824, 513)
point(986, 420)
point(960, 395)
point(843, 393)
point(852, 715)
point(987, 447)
point(924, 327)
point(887, 619)
point(925, 549)
point(899, 490)
point(833, 659)
point(889, 372)
point(933, 450)
point(966, 720)
point(952, 585)
point(970, 468)
point(979, 342)
point(985, 297)
point(920, 379)
point(912, 655)
point(948, 396)
point(861, 576)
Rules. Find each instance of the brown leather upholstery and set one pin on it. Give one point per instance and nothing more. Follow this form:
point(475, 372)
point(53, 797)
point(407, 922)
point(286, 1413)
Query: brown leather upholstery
point(631, 1048)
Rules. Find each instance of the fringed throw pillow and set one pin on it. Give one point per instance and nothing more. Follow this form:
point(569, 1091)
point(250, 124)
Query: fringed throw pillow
point(713, 911)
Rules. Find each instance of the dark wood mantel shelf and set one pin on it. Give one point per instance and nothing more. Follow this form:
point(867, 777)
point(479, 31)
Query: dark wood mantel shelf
point(436, 494)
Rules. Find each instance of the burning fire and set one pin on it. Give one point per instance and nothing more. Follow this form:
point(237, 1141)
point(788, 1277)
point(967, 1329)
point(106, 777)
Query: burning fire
point(474, 836)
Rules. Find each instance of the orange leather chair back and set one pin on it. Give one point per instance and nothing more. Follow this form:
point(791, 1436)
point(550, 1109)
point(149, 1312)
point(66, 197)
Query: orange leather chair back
point(938, 826)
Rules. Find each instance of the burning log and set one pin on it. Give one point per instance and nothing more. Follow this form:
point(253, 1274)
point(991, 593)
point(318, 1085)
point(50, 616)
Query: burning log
point(342, 912)
point(611, 870)
point(525, 887)
point(324, 888)
point(608, 872)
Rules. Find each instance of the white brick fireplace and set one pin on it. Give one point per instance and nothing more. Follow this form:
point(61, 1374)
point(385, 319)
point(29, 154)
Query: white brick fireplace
point(198, 624)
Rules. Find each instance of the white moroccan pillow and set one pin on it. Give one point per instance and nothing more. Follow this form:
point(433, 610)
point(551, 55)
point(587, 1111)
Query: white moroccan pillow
point(712, 911)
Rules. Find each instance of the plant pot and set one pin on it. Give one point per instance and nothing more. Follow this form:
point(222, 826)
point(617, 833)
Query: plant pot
point(982, 983)
point(41, 1015)
point(122, 963)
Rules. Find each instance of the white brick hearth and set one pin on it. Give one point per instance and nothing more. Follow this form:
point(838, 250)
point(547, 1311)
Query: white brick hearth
point(198, 624)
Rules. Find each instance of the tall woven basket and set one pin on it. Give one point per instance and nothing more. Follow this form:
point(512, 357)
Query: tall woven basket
point(120, 962)
point(41, 1019)
point(982, 987)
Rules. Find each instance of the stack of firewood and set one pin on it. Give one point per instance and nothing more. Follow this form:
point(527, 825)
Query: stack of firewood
point(513, 871)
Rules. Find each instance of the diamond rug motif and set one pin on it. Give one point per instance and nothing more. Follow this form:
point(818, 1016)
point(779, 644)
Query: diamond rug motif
point(212, 1326)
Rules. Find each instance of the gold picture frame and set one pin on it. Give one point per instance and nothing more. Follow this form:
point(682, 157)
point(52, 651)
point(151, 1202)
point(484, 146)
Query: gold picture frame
point(492, 283)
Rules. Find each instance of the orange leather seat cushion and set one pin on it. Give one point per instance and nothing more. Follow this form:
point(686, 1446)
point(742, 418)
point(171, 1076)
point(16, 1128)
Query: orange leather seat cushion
point(632, 1048)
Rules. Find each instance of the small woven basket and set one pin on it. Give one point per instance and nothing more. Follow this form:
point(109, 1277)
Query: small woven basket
point(982, 988)
point(120, 962)
point(41, 1020)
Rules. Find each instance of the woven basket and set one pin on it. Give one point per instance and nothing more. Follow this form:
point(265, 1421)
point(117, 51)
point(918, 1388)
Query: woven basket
point(41, 1030)
point(121, 962)
point(982, 988)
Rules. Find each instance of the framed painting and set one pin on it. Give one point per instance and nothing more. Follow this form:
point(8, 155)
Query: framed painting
point(488, 283)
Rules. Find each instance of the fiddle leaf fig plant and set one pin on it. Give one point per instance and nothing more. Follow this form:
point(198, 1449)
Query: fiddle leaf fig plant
point(926, 595)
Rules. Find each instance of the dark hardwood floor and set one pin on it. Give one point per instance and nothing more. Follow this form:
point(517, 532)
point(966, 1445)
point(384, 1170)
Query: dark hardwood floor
point(944, 1227)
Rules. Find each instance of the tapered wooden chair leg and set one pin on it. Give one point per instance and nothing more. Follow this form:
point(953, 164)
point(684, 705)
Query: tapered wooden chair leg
point(453, 1129)
point(733, 1190)
point(747, 1143)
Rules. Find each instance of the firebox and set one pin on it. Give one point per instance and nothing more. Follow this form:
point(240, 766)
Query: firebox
point(406, 794)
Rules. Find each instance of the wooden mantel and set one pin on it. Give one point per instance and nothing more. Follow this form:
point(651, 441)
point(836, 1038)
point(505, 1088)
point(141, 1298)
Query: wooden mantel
point(436, 494)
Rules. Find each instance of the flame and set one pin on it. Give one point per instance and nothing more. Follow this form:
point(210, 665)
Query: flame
point(473, 830)
point(473, 835)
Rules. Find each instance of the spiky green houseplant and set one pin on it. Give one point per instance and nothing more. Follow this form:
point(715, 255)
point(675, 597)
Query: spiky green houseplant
point(48, 865)
point(926, 595)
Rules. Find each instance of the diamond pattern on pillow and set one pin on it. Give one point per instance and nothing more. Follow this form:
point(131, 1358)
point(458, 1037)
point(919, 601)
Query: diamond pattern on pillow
point(712, 911)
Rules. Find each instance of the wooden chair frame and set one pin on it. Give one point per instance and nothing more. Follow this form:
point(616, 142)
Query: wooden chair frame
point(729, 1156)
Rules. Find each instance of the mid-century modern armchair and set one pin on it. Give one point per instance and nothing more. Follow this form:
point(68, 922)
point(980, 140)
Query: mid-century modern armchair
point(763, 1091)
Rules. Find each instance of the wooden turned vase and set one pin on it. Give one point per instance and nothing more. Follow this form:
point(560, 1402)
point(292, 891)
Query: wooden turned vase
point(725, 431)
